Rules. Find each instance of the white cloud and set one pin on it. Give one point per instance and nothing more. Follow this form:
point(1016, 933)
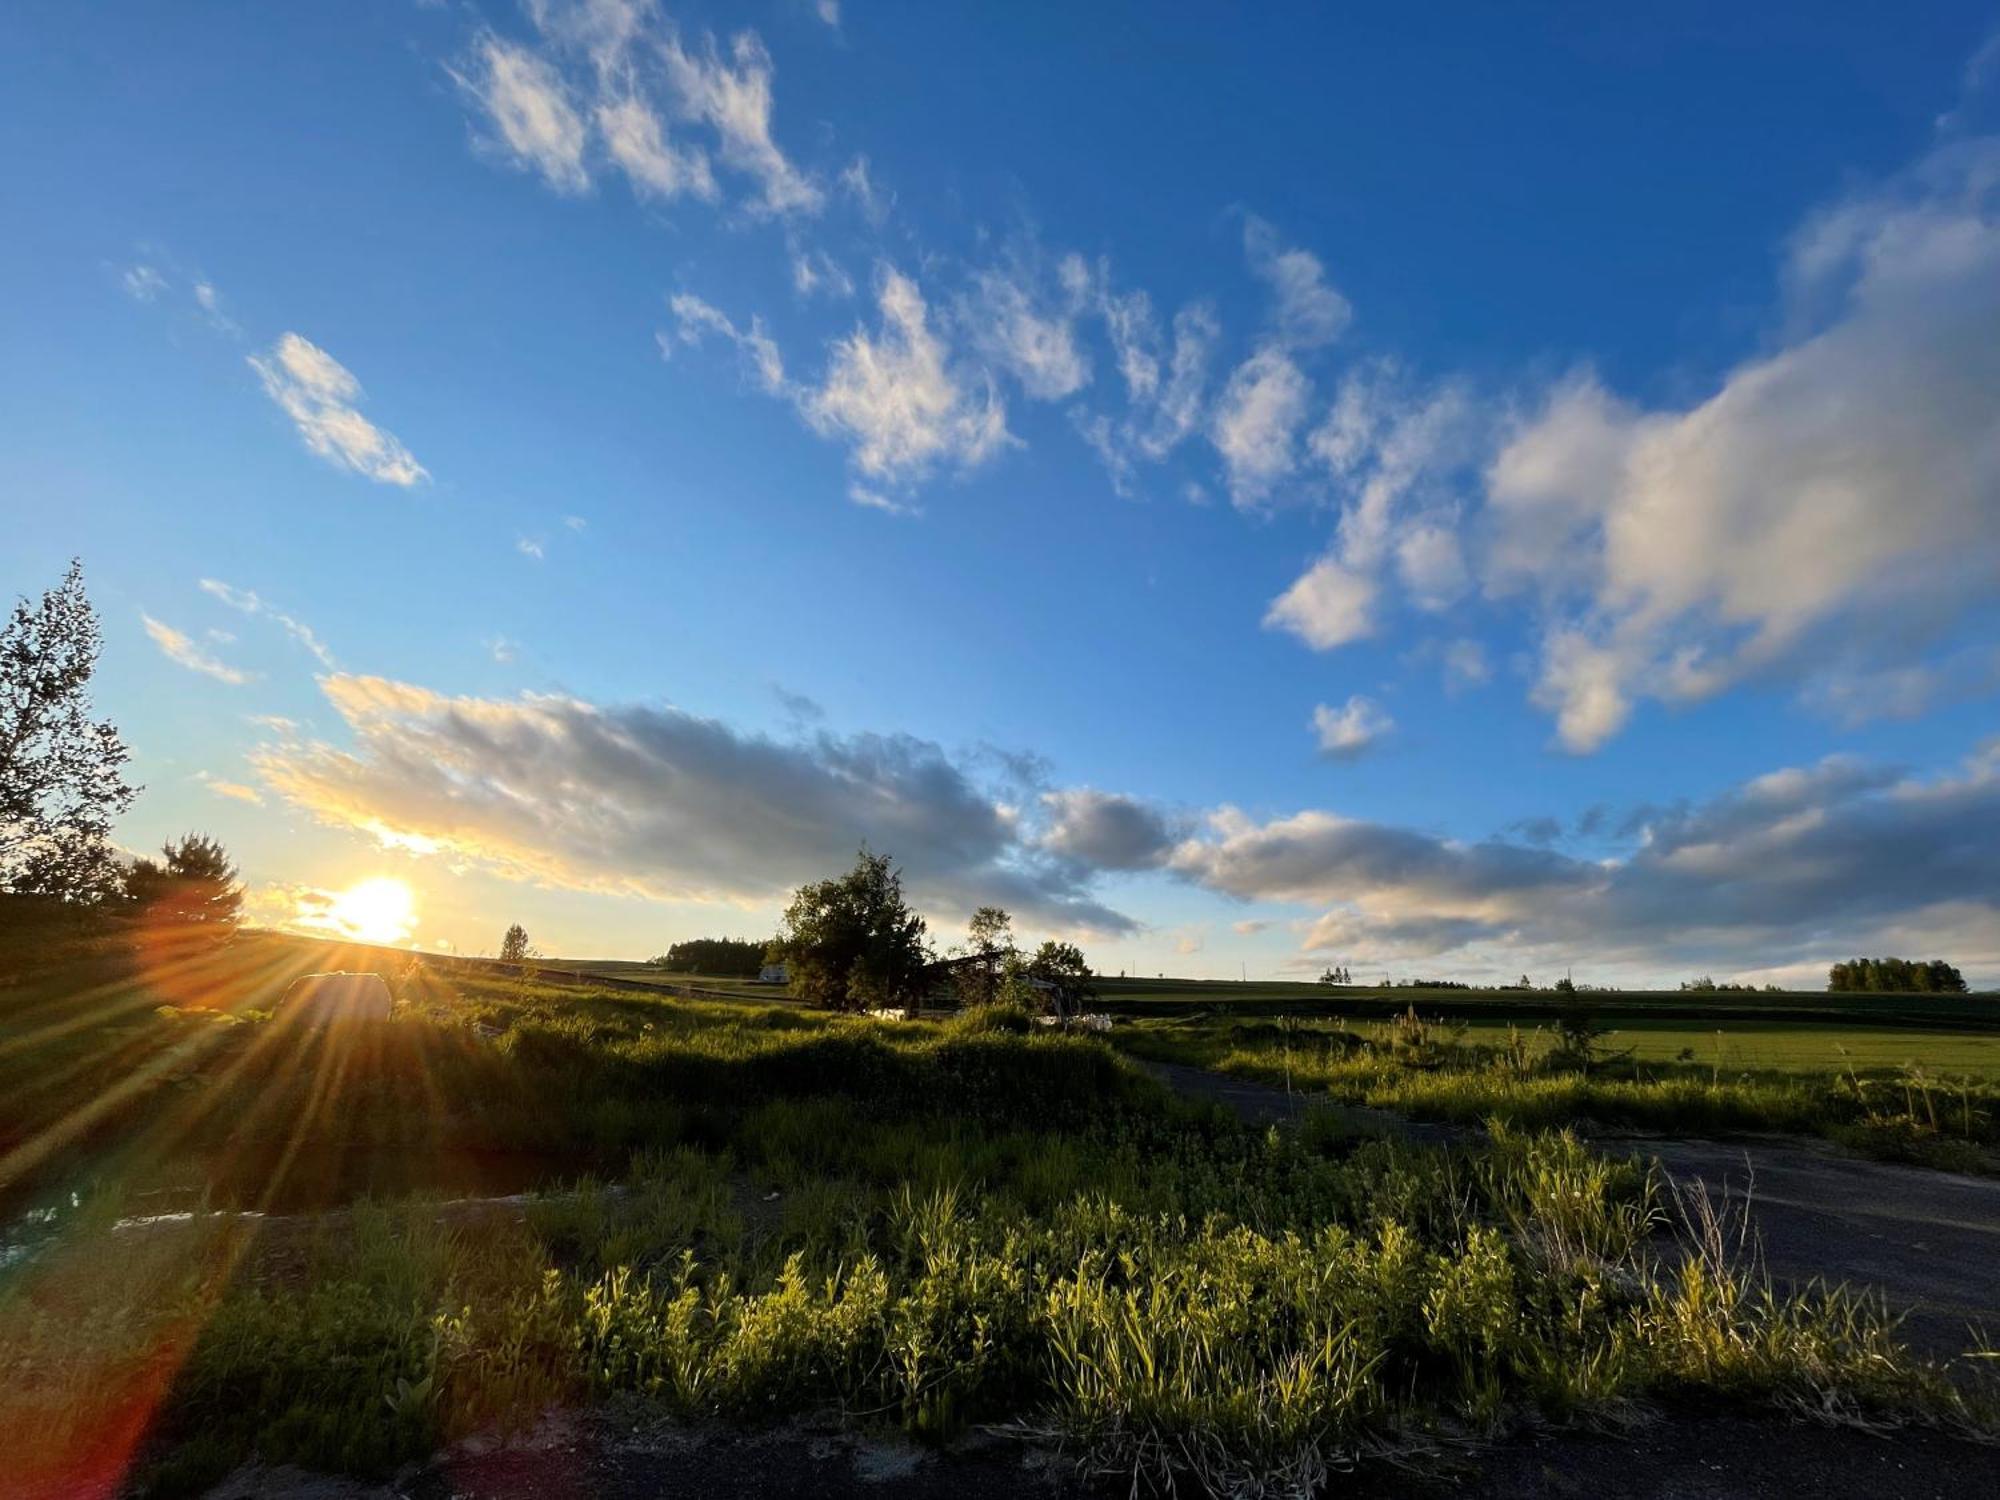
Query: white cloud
point(575, 523)
point(1351, 729)
point(695, 318)
point(1465, 664)
point(815, 272)
point(183, 651)
point(637, 140)
point(828, 11)
point(235, 791)
point(873, 499)
point(1306, 311)
point(895, 397)
point(1330, 605)
point(143, 283)
point(1844, 487)
point(529, 546)
point(733, 96)
point(858, 181)
point(1026, 334)
point(316, 391)
point(662, 804)
point(1256, 423)
point(534, 121)
point(1431, 565)
point(1800, 866)
point(248, 602)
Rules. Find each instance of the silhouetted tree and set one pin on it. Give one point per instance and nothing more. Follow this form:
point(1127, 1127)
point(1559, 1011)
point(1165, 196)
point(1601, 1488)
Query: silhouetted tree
point(1062, 966)
point(990, 940)
point(852, 942)
point(514, 946)
point(193, 884)
point(738, 957)
point(61, 774)
point(1884, 975)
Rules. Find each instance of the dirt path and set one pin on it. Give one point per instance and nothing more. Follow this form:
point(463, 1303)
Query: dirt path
point(628, 1456)
point(1929, 1241)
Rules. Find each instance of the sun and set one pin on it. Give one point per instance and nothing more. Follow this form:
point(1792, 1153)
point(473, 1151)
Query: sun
point(380, 909)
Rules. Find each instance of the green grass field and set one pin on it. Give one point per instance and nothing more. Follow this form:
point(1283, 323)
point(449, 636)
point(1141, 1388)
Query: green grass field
point(746, 1211)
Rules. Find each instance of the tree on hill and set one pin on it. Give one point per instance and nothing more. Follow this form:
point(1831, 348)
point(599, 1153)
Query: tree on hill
point(852, 942)
point(61, 773)
point(514, 946)
point(736, 957)
point(193, 884)
point(1895, 975)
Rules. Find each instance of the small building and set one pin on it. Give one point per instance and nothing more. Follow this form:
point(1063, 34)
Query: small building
point(778, 973)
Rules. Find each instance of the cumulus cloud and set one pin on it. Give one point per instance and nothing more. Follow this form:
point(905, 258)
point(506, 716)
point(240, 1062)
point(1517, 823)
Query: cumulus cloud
point(316, 391)
point(895, 395)
point(250, 603)
point(656, 802)
point(1806, 498)
point(1106, 831)
point(1329, 605)
point(184, 651)
point(1351, 729)
point(1256, 423)
point(1802, 865)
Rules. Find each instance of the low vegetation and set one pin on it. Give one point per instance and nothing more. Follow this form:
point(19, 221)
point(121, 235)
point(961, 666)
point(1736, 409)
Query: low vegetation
point(1576, 1071)
point(754, 1210)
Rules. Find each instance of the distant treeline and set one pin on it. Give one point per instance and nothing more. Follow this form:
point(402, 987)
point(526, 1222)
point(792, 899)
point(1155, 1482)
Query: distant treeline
point(737, 957)
point(1905, 975)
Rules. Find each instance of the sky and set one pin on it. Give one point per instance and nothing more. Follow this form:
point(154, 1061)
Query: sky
point(1514, 490)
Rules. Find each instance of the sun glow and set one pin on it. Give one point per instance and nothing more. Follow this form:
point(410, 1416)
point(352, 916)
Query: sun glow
point(380, 909)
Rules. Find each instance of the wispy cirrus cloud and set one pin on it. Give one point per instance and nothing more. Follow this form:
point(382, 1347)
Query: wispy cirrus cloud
point(320, 396)
point(896, 396)
point(249, 602)
point(183, 650)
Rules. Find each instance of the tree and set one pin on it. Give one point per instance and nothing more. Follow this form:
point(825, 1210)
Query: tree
point(737, 957)
point(61, 774)
point(193, 884)
point(990, 938)
point(514, 946)
point(1062, 966)
point(852, 942)
point(1880, 975)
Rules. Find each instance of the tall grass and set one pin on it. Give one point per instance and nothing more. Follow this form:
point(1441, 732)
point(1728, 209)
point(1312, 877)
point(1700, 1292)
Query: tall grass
point(1428, 1070)
point(910, 1225)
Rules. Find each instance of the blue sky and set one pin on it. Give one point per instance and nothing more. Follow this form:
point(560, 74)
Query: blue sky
point(1469, 494)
